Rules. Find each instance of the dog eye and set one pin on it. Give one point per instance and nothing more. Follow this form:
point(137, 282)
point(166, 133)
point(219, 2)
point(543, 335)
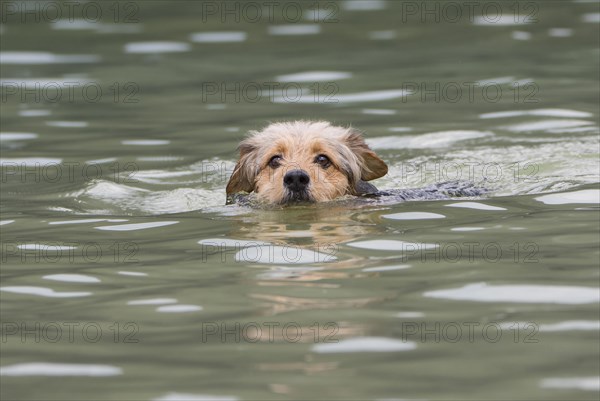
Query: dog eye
point(275, 161)
point(323, 161)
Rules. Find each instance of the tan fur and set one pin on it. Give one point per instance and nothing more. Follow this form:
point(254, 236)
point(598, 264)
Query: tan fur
point(298, 143)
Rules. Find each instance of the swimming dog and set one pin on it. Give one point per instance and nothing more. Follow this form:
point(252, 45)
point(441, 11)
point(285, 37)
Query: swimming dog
point(304, 161)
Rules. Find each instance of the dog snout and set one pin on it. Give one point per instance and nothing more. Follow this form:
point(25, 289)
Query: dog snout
point(296, 180)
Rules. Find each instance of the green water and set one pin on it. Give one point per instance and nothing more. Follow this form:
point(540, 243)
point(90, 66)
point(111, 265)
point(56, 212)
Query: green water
point(419, 300)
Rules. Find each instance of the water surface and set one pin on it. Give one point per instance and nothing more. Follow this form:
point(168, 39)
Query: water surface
point(125, 277)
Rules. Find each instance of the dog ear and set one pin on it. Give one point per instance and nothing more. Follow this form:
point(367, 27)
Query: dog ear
point(242, 178)
point(372, 166)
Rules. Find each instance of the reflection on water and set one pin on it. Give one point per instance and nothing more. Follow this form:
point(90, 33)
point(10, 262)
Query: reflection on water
point(43, 291)
point(59, 369)
point(157, 47)
point(520, 293)
point(585, 196)
point(365, 344)
point(124, 271)
point(29, 58)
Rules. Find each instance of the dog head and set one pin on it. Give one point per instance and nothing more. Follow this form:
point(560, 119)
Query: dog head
point(304, 162)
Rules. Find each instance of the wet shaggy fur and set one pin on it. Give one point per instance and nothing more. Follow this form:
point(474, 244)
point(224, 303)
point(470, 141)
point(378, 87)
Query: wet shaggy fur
point(298, 146)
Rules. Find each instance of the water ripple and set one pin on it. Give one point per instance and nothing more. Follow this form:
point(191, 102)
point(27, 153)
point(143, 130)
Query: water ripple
point(537, 112)
point(59, 369)
point(23, 57)
point(553, 294)
point(194, 397)
point(136, 226)
point(314, 76)
point(364, 344)
point(17, 136)
point(432, 140)
point(219, 37)
point(584, 196)
point(413, 216)
point(474, 205)
point(43, 292)
point(391, 245)
point(295, 29)
point(157, 47)
point(72, 278)
point(579, 383)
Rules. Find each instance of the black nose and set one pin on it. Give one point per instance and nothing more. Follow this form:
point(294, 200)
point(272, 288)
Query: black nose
point(296, 180)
